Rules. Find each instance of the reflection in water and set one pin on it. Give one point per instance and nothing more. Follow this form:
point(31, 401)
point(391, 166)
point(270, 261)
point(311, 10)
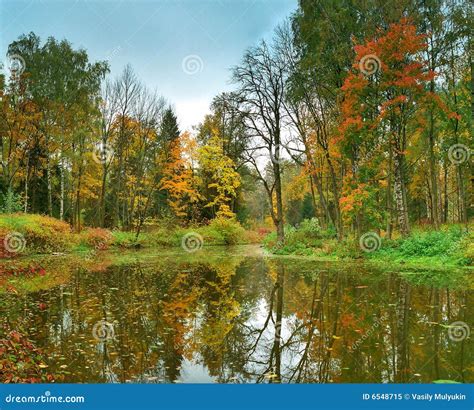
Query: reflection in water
point(239, 320)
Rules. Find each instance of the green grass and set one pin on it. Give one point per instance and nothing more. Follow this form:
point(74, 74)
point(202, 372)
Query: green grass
point(30, 234)
point(451, 246)
point(42, 235)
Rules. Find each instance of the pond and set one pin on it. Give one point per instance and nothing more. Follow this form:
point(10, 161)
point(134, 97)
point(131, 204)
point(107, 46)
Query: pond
point(236, 316)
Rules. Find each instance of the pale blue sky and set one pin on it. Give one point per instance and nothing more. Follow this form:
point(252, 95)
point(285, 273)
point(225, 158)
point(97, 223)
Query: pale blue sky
point(155, 36)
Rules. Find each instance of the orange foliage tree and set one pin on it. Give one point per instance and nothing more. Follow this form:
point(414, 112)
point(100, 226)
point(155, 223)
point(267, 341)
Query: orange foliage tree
point(381, 98)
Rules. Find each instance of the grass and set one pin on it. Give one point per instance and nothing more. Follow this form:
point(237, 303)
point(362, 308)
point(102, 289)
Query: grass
point(451, 246)
point(27, 234)
point(31, 234)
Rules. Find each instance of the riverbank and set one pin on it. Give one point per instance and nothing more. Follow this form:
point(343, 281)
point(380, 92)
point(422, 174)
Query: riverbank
point(153, 298)
point(452, 247)
point(41, 272)
point(26, 234)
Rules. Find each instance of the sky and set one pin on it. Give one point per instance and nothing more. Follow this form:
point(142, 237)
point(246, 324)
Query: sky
point(182, 48)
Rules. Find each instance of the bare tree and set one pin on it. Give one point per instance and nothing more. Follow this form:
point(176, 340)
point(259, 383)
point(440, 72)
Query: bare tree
point(261, 78)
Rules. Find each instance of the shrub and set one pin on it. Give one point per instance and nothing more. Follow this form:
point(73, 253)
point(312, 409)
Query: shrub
point(11, 202)
point(310, 228)
point(453, 244)
point(430, 243)
point(34, 233)
point(224, 231)
point(302, 240)
point(129, 239)
point(97, 238)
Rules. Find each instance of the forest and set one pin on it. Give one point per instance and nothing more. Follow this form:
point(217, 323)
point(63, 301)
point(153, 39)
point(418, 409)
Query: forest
point(365, 125)
point(316, 225)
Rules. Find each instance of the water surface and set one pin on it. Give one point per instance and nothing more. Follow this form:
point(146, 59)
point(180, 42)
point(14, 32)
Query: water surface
point(211, 317)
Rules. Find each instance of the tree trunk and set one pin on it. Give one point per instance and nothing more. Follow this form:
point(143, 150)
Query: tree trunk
point(102, 197)
point(389, 193)
point(61, 200)
point(279, 205)
point(400, 196)
point(25, 209)
point(49, 182)
point(335, 192)
point(433, 172)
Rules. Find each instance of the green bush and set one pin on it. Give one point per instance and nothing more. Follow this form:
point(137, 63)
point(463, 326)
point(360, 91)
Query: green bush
point(300, 241)
point(129, 239)
point(11, 203)
point(34, 233)
point(223, 231)
point(451, 244)
point(431, 243)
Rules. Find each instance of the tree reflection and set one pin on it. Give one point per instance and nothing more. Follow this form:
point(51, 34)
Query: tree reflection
point(248, 320)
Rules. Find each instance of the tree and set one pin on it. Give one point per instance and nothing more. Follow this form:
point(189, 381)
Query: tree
point(222, 178)
point(178, 177)
point(261, 80)
point(386, 101)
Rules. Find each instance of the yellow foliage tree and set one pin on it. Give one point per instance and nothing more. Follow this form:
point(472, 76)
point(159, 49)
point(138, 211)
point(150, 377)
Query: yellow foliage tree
point(224, 179)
